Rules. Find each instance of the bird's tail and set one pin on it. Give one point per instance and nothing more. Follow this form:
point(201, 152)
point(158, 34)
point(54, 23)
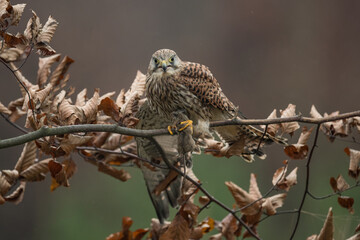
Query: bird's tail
point(247, 139)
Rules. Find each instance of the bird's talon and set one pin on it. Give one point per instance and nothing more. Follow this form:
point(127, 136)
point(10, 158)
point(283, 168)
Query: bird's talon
point(170, 129)
point(187, 123)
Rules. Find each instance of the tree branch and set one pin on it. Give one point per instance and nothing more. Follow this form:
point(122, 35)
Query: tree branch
point(45, 131)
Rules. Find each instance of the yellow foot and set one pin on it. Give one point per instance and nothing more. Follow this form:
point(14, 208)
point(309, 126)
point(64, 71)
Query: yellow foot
point(171, 129)
point(187, 123)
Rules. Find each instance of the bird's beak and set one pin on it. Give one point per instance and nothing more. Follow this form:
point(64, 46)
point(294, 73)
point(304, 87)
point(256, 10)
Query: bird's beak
point(164, 65)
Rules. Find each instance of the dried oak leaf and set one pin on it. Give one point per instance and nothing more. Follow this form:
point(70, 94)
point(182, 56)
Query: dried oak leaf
point(339, 184)
point(327, 231)
point(126, 234)
point(120, 100)
point(289, 127)
point(110, 108)
point(33, 28)
point(61, 172)
point(272, 203)
point(120, 174)
point(228, 227)
point(71, 141)
point(10, 15)
point(27, 158)
point(90, 108)
point(354, 169)
point(37, 171)
point(346, 202)
point(44, 71)
point(300, 149)
point(203, 200)
point(272, 129)
point(17, 196)
point(4, 186)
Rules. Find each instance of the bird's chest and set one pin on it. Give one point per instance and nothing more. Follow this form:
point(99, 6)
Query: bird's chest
point(167, 96)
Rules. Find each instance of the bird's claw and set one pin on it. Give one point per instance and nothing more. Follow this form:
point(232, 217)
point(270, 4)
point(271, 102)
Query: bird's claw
point(187, 123)
point(172, 129)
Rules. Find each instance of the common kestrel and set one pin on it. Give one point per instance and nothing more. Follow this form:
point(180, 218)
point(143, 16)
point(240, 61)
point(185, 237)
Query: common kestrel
point(173, 85)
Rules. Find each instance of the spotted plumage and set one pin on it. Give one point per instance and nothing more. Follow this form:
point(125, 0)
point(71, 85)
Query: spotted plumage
point(173, 85)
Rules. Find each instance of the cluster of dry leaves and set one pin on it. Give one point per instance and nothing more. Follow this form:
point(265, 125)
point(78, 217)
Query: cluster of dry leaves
point(48, 104)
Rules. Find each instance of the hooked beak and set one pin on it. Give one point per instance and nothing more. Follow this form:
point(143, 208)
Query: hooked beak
point(164, 65)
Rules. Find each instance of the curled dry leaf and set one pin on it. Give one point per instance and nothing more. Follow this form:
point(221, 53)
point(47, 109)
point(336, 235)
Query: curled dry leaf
point(300, 149)
point(289, 127)
point(120, 174)
point(47, 32)
point(17, 196)
point(81, 98)
point(228, 227)
point(33, 28)
point(272, 203)
point(282, 181)
point(71, 141)
point(110, 108)
point(45, 64)
point(332, 129)
point(354, 169)
point(346, 202)
point(203, 200)
point(178, 229)
point(355, 122)
point(339, 184)
point(37, 171)
point(12, 54)
point(10, 14)
point(272, 129)
point(120, 100)
point(61, 172)
point(90, 108)
point(27, 157)
point(4, 109)
point(60, 71)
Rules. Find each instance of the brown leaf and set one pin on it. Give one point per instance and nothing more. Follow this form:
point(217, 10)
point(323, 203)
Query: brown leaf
point(243, 199)
point(354, 237)
point(48, 30)
point(44, 68)
point(27, 157)
point(339, 184)
point(44, 49)
point(120, 100)
point(12, 41)
point(81, 98)
point(137, 87)
point(17, 196)
point(90, 109)
point(4, 109)
point(282, 181)
point(178, 229)
point(272, 129)
point(300, 149)
point(41, 95)
point(120, 174)
point(327, 230)
point(109, 107)
point(139, 233)
point(272, 203)
point(203, 200)
point(289, 127)
point(59, 175)
point(355, 123)
point(314, 112)
point(228, 227)
point(37, 171)
point(4, 186)
point(33, 28)
point(12, 54)
point(253, 188)
point(354, 169)
point(357, 229)
point(346, 202)
point(60, 71)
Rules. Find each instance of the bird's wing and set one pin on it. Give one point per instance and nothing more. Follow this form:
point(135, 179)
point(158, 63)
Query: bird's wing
point(200, 81)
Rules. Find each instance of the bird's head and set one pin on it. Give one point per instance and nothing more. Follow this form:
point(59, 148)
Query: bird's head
point(164, 61)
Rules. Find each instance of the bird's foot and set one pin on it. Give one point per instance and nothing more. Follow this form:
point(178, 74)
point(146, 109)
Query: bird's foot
point(186, 124)
point(172, 129)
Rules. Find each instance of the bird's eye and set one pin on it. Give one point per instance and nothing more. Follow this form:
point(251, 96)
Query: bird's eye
point(156, 61)
point(171, 59)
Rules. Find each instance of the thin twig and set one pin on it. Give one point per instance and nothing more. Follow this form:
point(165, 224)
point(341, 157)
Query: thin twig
point(332, 194)
point(198, 185)
point(14, 124)
point(307, 181)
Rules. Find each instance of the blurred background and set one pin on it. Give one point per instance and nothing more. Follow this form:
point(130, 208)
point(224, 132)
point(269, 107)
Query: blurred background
point(265, 54)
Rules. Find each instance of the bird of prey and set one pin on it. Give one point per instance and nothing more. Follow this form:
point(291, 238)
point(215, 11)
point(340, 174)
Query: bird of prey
point(173, 85)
